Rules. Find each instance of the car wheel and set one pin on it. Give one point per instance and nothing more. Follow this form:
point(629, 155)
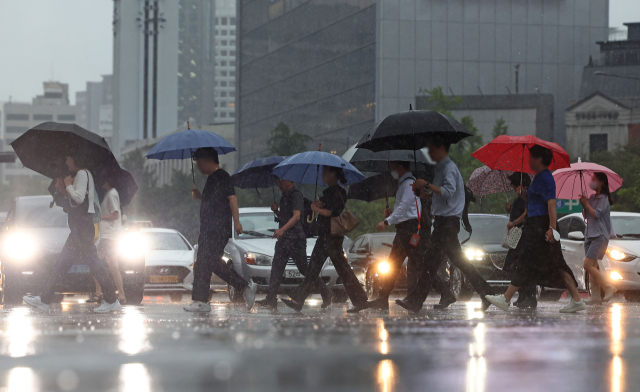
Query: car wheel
point(340, 296)
point(551, 295)
point(459, 285)
point(175, 297)
point(372, 285)
point(631, 296)
point(587, 285)
point(12, 293)
point(234, 296)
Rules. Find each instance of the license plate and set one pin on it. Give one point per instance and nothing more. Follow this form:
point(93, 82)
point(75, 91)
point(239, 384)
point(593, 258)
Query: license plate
point(293, 274)
point(164, 279)
point(79, 269)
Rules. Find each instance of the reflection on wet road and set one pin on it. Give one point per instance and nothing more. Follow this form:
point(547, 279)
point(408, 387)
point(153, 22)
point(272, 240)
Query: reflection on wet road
point(158, 347)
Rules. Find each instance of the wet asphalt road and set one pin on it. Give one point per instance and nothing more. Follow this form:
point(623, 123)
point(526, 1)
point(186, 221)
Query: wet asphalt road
point(158, 347)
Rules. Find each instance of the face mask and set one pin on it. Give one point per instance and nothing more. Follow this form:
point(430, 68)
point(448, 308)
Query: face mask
point(593, 185)
point(394, 175)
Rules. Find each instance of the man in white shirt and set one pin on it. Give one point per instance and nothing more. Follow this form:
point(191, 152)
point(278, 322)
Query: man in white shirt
point(110, 228)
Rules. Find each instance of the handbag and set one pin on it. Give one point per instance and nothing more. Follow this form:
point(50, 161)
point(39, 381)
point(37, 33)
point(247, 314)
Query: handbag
point(344, 223)
point(511, 238)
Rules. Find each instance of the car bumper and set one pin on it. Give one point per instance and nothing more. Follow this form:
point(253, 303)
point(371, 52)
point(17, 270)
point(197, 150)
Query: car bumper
point(261, 275)
point(627, 270)
point(183, 285)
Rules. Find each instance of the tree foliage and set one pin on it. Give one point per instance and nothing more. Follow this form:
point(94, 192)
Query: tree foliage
point(285, 143)
point(500, 128)
point(626, 163)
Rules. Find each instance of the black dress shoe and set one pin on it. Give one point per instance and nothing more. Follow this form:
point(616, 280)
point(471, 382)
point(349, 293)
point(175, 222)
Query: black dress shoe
point(444, 302)
point(527, 303)
point(409, 306)
point(268, 303)
point(379, 304)
point(358, 308)
point(293, 305)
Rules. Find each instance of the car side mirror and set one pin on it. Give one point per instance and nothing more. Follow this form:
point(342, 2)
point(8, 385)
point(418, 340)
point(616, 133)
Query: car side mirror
point(361, 251)
point(576, 236)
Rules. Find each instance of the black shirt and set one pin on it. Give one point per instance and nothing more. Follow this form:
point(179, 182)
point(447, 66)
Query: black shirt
point(289, 202)
point(215, 211)
point(333, 198)
point(518, 207)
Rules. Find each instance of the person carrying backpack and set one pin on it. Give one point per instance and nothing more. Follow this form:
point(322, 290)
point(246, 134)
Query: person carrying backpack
point(291, 244)
point(79, 248)
point(447, 207)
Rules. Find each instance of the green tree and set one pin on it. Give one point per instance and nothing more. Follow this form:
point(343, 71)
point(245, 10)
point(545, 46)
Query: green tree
point(500, 128)
point(285, 143)
point(626, 163)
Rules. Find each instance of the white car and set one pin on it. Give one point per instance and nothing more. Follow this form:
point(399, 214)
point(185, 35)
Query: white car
point(621, 263)
point(251, 253)
point(169, 261)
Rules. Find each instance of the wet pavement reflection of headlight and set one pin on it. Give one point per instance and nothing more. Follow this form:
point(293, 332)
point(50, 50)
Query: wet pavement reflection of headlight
point(134, 377)
point(477, 366)
point(22, 379)
point(133, 334)
point(20, 334)
point(386, 375)
point(617, 366)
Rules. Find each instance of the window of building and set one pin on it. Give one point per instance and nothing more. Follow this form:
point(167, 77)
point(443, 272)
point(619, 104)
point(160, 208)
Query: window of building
point(233, 53)
point(223, 104)
point(232, 63)
point(224, 21)
point(223, 32)
point(17, 116)
point(223, 42)
point(223, 84)
point(223, 94)
point(223, 53)
point(66, 117)
point(223, 63)
point(43, 117)
point(233, 21)
point(232, 43)
point(232, 32)
point(223, 73)
point(598, 142)
point(232, 73)
point(223, 114)
point(16, 129)
point(232, 93)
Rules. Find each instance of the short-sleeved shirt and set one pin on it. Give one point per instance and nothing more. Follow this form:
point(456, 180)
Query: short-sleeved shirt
point(542, 189)
point(215, 210)
point(289, 202)
point(518, 207)
point(333, 198)
point(600, 224)
point(110, 230)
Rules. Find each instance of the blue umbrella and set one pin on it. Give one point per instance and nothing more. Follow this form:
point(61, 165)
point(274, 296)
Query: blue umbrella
point(257, 174)
point(304, 168)
point(183, 144)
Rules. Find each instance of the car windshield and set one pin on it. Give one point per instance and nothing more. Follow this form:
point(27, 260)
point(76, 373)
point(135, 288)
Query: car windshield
point(381, 245)
point(36, 213)
point(257, 225)
point(486, 229)
point(626, 227)
point(166, 241)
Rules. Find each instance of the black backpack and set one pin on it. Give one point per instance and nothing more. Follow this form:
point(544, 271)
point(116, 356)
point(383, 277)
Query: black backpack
point(466, 225)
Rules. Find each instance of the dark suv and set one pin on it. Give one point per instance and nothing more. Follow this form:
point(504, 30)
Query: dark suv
point(31, 239)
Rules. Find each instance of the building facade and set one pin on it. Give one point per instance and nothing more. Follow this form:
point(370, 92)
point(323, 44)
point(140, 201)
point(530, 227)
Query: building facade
point(331, 69)
point(95, 108)
point(19, 117)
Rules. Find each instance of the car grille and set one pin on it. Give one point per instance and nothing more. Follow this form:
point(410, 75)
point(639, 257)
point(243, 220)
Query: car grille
point(498, 259)
point(182, 272)
point(291, 262)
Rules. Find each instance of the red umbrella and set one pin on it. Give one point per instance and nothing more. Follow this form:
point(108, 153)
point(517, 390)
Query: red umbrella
point(573, 182)
point(512, 153)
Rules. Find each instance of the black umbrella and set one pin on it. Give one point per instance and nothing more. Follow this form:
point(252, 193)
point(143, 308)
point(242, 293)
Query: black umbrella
point(411, 130)
point(257, 174)
point(44, 147)
point(378, 162)
point(377, 186)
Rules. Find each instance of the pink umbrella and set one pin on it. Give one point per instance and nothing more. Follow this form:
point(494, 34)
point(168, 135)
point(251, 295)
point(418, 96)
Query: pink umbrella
point(573, 182)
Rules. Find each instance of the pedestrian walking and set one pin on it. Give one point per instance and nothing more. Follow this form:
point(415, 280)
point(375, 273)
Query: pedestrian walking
point(291, 244)
point(110, 230)
point(517, 210)
point(597, 212)
point(447, 207)
point(79, 248)
point(541, 262)
point(330, 205)
point(218, 210)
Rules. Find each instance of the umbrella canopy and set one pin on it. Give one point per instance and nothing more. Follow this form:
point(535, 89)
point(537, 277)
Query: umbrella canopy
point(182, 144)
point(377, 186)
point(124, 183)
point(378, 162)
point(44, 147)
point(573, 182)
point(305, 168)
point(257, 173)
point(512, 153)
point(484, 181)
point(411, 130)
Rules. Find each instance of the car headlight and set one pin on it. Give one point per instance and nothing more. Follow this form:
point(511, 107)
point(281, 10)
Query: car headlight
point(132, 245)
point(257, 259)
point(19, 246)
point(618, 255)
point(383, 267)
point(474, 254)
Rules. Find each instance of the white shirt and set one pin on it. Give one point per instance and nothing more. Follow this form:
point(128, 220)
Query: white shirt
point(111, 203)
point(78, 190)
point(404, 207)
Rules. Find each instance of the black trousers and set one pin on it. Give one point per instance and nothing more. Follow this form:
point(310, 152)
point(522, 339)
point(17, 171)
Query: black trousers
point(79, 249)
point(400, 250)
point(444, 242)
point(328, 246)
point(296, 250)
point(209, 261)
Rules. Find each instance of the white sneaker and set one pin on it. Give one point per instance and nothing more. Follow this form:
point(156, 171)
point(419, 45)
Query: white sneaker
point(198, 307)
point(106, 307)
point(250, 295)
point(609, 292)
point(36, 302)
point(574, 307)
point(498, 300)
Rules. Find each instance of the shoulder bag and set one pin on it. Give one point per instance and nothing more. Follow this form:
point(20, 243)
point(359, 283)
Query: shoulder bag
point(511, 238)
point(345, 223)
